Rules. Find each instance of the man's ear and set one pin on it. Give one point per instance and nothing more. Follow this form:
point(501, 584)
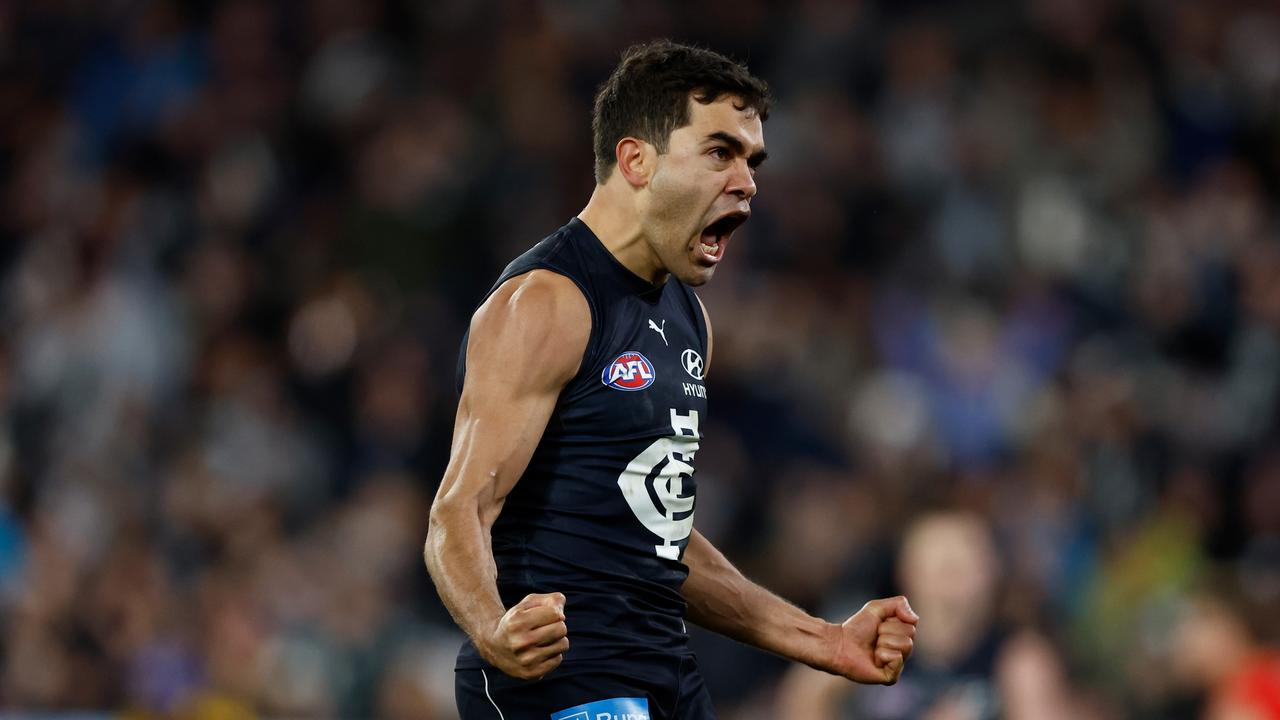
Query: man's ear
point(635, 159)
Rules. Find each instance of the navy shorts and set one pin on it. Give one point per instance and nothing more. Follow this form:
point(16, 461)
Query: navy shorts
point(666, 689)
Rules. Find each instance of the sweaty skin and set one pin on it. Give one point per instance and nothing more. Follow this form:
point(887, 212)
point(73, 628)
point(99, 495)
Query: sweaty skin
point(658, 213)
point(668, 199)
point(870, 647)
point(500, 419)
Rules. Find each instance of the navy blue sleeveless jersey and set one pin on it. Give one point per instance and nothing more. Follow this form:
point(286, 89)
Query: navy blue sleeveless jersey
point(604, 511)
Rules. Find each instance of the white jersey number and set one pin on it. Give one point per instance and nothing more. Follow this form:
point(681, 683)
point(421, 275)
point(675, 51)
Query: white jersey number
point(665, 464)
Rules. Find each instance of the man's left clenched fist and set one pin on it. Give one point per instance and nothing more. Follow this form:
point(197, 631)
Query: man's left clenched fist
point(875, 643)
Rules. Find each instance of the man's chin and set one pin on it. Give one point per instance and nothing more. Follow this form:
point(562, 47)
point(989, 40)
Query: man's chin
point(696, 276)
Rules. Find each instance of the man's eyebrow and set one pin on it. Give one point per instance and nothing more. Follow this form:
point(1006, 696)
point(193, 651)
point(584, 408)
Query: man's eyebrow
point(739, 147)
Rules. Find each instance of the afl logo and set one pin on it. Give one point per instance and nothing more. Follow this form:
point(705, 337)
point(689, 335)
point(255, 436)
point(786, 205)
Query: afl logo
point(692, 362)
point(630, 371)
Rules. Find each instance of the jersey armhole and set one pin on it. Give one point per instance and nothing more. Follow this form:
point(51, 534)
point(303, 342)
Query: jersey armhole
point(699, 317)
point(588, 354)
point(593, 337)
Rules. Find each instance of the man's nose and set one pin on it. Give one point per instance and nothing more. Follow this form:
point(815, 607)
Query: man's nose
point(743, 181)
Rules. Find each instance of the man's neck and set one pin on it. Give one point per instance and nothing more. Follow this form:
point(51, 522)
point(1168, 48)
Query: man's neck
point(615, 221)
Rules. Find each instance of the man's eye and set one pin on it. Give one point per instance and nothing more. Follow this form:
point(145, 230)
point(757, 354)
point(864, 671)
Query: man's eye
point(720, 153)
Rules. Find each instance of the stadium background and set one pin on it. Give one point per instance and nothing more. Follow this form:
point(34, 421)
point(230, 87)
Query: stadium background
point(1014, 267)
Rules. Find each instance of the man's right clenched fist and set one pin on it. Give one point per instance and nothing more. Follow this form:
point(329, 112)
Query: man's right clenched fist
point(531, 638)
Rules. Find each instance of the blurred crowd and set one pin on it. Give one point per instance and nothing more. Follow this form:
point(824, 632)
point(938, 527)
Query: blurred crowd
point(1002, 334)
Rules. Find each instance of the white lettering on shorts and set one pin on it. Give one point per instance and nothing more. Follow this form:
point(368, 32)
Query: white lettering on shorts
point(611, 709)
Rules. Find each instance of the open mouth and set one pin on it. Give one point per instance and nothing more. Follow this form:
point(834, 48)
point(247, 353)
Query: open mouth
point(716, 235)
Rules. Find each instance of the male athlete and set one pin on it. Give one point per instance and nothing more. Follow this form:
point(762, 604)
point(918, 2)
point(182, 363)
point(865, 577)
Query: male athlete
point(562, 536)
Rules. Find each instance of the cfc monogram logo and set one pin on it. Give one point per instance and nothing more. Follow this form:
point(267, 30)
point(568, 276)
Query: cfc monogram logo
point(654, 484)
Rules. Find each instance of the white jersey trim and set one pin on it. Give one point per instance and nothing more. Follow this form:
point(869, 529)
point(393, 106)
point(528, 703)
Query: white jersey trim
point(486, 694)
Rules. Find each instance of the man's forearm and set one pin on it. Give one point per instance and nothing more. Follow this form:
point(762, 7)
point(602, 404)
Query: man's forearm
point(459, 557)
point(526, 641)
point(721, 599)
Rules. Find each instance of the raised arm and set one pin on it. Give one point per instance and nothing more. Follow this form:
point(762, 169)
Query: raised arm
point(526, 342)
point(870, 647)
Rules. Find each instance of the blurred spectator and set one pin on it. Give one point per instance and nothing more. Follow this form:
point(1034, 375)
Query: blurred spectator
point(967, 664)
point(1218, 653)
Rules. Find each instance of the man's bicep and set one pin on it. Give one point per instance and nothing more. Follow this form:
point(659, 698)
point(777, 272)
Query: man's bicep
point(526, 343)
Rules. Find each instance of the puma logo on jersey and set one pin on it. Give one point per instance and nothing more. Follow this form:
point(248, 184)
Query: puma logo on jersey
point(630, 371)
point(660, 330)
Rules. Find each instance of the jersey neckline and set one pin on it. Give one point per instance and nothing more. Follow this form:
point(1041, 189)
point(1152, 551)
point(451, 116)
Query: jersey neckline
point(632, 281)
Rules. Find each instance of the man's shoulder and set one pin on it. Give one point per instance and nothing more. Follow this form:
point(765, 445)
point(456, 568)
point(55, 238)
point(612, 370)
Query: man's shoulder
point(539, 296)
point(538, 289)
point(536, 317)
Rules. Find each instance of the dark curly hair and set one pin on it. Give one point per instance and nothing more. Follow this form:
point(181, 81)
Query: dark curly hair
point(647, 96)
